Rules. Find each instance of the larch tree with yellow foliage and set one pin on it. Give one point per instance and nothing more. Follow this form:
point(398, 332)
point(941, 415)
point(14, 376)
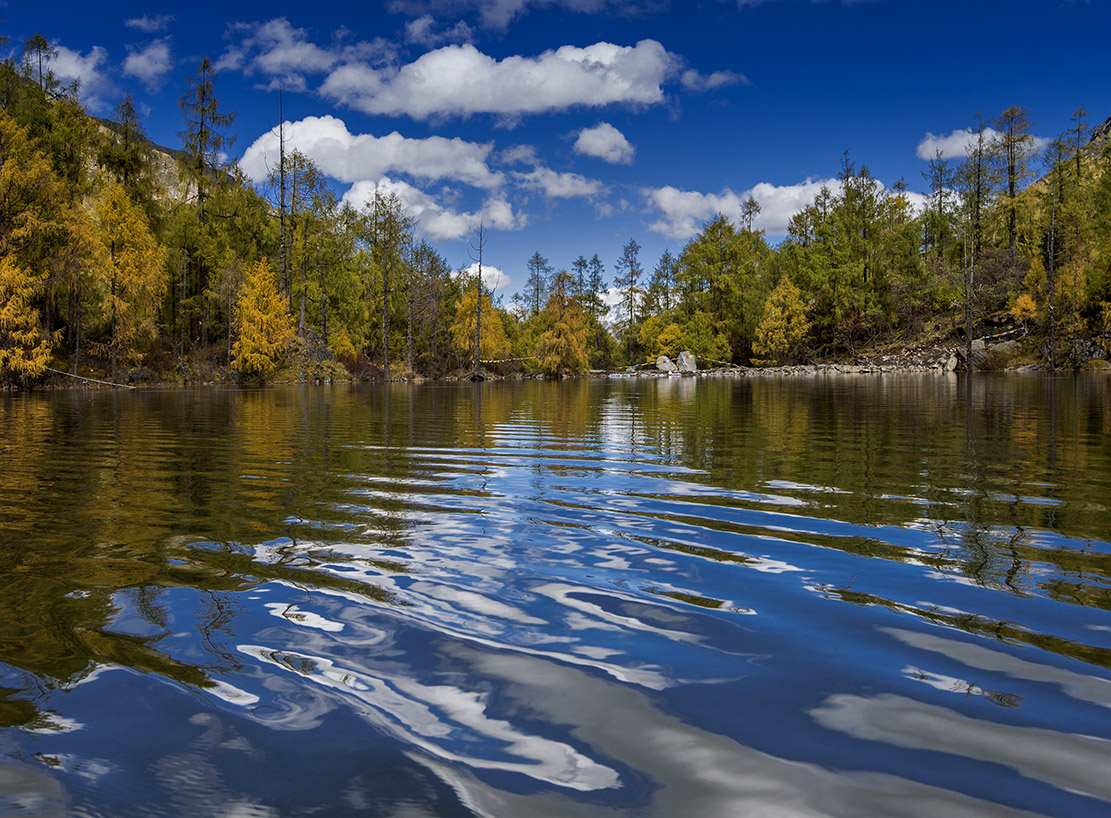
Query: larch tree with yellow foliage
point(493, 343)
point(783, 327)
point(263, 325)
point(562, 346)
point(35, 238)
point(134, 274)
point(24, 348)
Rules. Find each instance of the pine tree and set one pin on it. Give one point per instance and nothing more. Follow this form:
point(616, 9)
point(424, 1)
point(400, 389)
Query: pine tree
point(536, 285)
point(204, 141)
point(629, 271)
point(1013, 146)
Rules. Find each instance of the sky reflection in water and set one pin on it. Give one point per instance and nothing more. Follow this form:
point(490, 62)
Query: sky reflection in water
point(607, 598)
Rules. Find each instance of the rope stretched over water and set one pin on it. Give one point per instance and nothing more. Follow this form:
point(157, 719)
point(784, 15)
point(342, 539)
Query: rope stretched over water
point(91, 380)
point(506, 360)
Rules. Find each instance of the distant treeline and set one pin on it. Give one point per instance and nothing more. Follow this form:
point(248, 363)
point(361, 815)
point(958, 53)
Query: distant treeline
point(114, 255)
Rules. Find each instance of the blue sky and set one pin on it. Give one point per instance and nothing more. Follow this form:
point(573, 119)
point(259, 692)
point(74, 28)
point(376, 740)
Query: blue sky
point(571, 126)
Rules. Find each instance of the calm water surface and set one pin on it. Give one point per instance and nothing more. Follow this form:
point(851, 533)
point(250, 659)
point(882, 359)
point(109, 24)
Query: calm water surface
point(876, 596)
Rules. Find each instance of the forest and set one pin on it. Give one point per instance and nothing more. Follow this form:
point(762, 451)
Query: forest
point(128, 263)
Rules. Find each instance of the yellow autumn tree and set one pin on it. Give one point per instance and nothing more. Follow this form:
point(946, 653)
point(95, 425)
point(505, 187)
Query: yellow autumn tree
point(24, 348)
point(35, 241)
point(263, 324)
point(494, 343)
point(783, 327)
point(561, 348)
point(134, 273)
point(659, 335)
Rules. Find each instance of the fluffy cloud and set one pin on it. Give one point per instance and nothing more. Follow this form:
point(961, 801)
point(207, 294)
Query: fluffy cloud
point(685, 211)
point(492, 277)
point(151, 64)
point(278, 50)
point(605, 142)
point(957, 144)
point(353, 158)
point(694, 81)
point(88, 71)
point(459, 80)
point(148, 24)
point(559, 185)
point(434, 220)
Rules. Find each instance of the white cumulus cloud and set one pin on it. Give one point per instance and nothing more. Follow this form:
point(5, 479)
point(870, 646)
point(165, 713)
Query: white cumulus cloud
point(433, 219)
point(459, 80)
point(492, 278)
point(958, 143)
point(353, 158)
point(684, 212)
point(151, 64)
point(605, 142)
point(557, 185)
point(88, 71)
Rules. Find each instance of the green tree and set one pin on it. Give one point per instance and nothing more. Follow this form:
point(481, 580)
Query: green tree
point(1013, 147)
point(536, 284)
point(627, 282)
point(204, 140)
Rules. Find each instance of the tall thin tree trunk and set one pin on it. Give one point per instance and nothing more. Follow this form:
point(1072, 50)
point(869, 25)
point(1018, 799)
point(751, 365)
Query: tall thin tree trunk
point(304, 273)
point(1051, 280)
point(283, 259)
point(323, 305)
point(409, 338)
point(386, 320)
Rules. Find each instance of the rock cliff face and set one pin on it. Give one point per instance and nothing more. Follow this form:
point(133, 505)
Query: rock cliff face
point(1101, 133)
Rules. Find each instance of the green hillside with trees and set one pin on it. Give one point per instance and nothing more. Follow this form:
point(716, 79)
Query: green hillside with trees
point(121, 261)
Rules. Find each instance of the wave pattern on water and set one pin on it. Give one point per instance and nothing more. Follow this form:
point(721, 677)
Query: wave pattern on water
point(605, 600)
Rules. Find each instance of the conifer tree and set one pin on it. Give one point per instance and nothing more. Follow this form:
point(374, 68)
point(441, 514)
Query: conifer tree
point(539, 271)
point(784, 326)
point(25, 348)
point(263, 324)
point(492, 342)
point(135, 271)
point(204, 140)
point(627, 280)
point(561, 348)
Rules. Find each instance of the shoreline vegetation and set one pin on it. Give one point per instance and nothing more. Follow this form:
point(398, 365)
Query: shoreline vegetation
point(125, 262)
point(1007, 357)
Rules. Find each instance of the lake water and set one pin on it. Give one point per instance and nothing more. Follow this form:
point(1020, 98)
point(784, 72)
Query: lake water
point(837, 596)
